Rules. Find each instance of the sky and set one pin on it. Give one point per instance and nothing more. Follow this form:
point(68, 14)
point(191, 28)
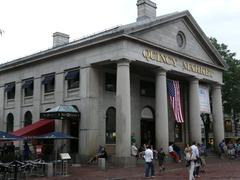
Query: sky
point(28, 25)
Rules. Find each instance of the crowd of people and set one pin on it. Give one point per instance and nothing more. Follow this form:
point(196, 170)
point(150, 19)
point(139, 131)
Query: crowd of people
point(26, 151)
point(193, 155)
point(230, 148)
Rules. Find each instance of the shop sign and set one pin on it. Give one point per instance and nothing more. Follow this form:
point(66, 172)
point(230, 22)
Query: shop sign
point(151, 55)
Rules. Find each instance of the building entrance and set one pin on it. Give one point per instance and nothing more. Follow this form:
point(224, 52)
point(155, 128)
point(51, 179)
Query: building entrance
point(74, 131)
point(148, 132)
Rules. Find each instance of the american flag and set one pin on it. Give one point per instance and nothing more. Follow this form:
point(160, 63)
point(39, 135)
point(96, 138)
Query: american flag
point(175, 99)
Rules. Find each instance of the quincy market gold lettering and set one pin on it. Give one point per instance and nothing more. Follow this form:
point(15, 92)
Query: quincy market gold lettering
point(197, 69)
point(150, 55)
point(156, 56)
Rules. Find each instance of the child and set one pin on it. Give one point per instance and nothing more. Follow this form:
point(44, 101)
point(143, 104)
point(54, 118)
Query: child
point(161, 158)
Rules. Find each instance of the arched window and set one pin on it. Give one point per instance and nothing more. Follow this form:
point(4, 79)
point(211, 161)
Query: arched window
point(27, 118)
point(147, 126)
point(111, 126)
point(10, 121)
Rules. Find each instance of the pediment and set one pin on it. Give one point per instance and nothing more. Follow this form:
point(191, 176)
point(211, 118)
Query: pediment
point(196, 45)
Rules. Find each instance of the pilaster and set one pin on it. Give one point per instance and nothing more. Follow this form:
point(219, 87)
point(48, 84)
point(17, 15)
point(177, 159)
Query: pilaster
point(89, 123)
point(18, 121)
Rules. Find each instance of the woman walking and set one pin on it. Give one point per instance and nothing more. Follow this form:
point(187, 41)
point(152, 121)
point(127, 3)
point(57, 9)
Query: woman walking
point(190, 157)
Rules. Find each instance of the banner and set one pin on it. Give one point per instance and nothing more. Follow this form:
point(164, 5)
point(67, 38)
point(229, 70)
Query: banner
point(204, 99)
point(173, 88)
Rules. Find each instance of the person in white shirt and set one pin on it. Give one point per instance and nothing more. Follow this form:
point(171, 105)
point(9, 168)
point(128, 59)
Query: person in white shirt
point(190, 157)
point(195, 153)
point(173, 153)
point(149, 167)
point(134, 150)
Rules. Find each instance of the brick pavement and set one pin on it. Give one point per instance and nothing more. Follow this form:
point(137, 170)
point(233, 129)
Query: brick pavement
point(220, 169)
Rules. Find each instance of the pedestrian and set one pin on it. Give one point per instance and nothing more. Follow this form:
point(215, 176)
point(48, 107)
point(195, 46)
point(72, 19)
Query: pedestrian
point(191, 158)
point(177, 149)
point(11, 149)
point(101, 153)
point(221, 148)
point(26, 151)
point(161, 159)
point(149, 167)
point(133, 138)
point(134, 150)
point(202, 154)
point(173, 154)
point(195, 152)
point(186, 149)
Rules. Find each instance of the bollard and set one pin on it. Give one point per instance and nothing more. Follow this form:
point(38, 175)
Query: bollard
point(49, 169)
point(102, 163)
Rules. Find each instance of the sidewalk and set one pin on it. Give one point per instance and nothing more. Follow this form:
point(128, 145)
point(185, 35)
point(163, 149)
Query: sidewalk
point(216, 169)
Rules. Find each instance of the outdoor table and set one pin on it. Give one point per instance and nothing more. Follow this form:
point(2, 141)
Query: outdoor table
point(13, 167)
point(3, 170)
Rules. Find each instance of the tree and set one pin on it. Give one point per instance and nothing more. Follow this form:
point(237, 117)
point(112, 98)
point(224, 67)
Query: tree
point(231, 79)
point(1, 32)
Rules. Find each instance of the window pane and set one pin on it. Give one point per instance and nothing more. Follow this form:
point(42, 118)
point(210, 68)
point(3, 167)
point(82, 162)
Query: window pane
point(28, 88)
point(147, 88)
point(49, 83)
point(10, 89)
point(72, 78)
point(110, 82)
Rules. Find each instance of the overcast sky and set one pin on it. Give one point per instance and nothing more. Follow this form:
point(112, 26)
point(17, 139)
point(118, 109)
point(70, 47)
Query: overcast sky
point(29, 24)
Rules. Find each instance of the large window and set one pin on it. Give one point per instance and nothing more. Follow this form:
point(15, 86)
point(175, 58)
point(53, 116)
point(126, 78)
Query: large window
point(147, 88)
point(49, 83)
point(27, 118)
point(111, 126)
point(28, 87)
point(110, 82)
point(10, 90)
point(10, 122)
point(72, 78)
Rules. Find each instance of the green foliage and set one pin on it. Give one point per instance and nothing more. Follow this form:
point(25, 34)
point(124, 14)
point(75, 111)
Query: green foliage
point(1, 32)
point(231, 78)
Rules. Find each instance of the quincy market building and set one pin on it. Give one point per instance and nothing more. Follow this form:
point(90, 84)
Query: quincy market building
point(117, 80)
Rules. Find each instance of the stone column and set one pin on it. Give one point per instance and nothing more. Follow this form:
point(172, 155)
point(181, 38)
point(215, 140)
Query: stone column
point(194, 112)
point(161, 127)
point(123, 110)
point(217, 111)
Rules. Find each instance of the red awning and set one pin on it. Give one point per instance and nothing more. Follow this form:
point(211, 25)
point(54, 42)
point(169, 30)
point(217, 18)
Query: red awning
point(38, 128)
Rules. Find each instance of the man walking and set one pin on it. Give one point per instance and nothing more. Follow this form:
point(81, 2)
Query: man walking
point(149, 167)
